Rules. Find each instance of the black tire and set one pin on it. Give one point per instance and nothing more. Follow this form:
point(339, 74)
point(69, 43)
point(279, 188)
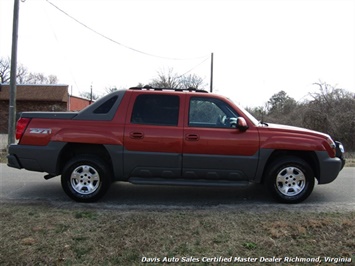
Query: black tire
point(86, 178)
point(290, 179)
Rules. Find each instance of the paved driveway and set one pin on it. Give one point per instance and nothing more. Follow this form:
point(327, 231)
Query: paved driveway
point(22, 185)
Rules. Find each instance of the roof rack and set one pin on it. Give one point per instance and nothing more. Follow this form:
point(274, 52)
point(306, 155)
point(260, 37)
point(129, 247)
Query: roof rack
point(147, 87)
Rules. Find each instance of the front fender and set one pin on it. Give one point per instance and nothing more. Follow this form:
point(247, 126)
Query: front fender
point(293, 143)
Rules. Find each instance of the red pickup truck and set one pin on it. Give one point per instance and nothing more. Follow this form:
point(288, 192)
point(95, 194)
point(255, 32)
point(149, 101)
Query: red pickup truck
point(172, 137)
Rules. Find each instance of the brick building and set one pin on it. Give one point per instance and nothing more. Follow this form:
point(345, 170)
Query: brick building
point(38, 98)
point(77, 103)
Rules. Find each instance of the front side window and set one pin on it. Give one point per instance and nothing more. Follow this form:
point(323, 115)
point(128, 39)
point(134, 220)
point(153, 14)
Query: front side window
point(210, 112)
point(156, 109)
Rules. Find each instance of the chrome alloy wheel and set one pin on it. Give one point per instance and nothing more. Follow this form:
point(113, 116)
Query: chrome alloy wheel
point(85, 179)
point(290, 181)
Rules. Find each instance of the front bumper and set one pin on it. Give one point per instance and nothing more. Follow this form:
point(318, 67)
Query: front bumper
point(329, 168)
point(340, 152)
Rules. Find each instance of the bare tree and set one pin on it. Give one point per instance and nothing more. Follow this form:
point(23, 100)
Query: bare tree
point(191, 81)
point(332, 111)
point(166, 79)
point(40, 78)
point(4, 70)
point(23, 76)
point(170, 79)
point(52, 79)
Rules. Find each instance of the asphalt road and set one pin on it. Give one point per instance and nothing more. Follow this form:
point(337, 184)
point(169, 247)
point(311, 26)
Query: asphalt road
point(25, 186)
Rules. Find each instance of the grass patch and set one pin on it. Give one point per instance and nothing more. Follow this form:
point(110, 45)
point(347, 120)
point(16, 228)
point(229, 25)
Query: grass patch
point(43, 235)
point(350, 159)
point(3, 155)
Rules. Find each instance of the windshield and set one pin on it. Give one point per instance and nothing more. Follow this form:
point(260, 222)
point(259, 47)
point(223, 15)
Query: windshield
point(250, 116)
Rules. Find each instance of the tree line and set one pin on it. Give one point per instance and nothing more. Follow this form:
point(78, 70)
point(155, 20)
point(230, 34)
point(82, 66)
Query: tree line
point(23, 75)
point(166, 78)
point(330, 110)
point(169, 79)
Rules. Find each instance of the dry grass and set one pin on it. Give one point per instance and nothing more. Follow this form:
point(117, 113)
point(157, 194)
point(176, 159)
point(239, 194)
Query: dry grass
point(350, 159)
point(3, 158)
point(45, 235)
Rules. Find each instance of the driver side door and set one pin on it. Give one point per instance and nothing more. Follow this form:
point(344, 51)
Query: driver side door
point(213, 148)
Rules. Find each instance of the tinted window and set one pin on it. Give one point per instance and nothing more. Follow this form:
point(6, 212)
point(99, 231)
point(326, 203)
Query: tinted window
point(106, 106)
point(156, 110)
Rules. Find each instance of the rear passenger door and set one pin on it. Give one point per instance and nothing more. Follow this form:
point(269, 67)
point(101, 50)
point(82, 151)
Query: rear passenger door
point(153, 135)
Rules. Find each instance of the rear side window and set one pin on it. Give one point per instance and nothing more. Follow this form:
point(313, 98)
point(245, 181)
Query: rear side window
point(104, 109)
point(106, 106)
point(156, 109)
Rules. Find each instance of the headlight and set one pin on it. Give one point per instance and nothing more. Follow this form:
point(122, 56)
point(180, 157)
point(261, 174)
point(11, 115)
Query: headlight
point(332, 146)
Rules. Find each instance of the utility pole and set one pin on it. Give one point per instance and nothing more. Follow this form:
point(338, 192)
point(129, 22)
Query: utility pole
point(91, 94)
point(12, 99)
point(211, 82)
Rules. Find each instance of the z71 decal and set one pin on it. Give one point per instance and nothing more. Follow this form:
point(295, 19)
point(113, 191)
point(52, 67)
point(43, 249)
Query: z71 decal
point(40, 130)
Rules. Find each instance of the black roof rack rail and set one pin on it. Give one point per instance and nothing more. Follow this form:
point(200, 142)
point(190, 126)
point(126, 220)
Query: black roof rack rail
point(147, 87)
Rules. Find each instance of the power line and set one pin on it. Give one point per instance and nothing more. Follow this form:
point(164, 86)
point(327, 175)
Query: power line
point(116, 42)
point(194, 67)
point(68, 66)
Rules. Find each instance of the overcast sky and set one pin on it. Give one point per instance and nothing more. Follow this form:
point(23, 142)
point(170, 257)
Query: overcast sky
point(260, 47)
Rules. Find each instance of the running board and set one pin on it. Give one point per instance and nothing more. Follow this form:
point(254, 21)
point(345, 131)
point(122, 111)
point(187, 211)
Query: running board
point(187, 182)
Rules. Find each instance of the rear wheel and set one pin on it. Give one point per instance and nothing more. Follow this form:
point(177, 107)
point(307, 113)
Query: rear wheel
point(86, 178)
point(290, 179)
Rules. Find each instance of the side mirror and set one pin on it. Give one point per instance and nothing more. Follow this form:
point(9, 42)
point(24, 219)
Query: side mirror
point(241, 124)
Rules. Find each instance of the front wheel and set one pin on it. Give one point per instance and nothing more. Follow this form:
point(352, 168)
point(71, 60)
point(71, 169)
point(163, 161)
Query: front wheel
point(290, 179)
point(86, 178)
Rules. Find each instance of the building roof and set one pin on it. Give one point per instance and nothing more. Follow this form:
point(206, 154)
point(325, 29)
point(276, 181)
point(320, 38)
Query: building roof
point(48, 93)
